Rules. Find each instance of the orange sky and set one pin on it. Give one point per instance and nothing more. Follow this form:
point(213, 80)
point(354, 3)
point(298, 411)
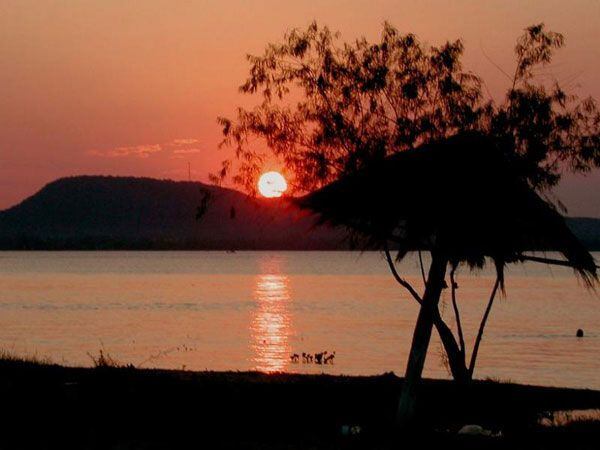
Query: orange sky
point(100, 87)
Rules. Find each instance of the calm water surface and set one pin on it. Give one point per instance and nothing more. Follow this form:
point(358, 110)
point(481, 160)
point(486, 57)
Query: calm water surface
point(251, 310)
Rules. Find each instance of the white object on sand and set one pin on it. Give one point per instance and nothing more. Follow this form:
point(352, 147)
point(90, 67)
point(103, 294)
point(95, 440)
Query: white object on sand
point(474, 430)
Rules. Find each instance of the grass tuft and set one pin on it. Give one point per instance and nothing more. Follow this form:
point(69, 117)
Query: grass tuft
point(104, 361)
point(10, 356)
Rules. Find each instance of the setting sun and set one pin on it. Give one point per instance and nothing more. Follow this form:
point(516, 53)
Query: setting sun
point(272, 184)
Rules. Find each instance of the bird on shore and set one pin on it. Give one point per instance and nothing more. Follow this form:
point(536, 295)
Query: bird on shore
point(579, 333)
point(319, 357)
point(329, 359)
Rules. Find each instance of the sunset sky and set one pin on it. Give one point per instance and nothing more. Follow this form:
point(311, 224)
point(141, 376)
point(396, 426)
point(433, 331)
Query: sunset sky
point(105, 87)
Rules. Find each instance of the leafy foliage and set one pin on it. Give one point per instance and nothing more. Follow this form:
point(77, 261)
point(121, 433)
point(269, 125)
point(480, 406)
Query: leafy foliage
point(329, 109)
point(547, 129)
point(355, 103)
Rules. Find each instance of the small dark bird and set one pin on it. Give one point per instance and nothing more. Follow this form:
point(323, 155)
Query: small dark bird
point(319, 357)
point(329, 359)
point(579, 333)
point(294, 358)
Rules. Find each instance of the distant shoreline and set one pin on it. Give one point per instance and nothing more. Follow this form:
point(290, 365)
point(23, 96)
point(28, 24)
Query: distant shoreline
point(126, 213)
point(203, 249)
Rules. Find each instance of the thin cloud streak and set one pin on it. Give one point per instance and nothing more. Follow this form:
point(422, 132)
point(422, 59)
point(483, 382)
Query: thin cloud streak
point(140, 151)
point(186, 141)
point(177, 146)
point(186, 151)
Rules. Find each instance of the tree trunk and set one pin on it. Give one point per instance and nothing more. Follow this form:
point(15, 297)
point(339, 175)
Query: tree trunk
point(421, 338)
point(456, 357)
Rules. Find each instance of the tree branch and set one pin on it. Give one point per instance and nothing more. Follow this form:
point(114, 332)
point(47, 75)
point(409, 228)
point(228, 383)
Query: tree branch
point(454, 285)
point(556, 262)
point(422, 268)
point(482, 327)
point(405, 284)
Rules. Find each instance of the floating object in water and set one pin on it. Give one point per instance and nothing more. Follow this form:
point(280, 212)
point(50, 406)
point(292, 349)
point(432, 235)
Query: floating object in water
point(579, 333)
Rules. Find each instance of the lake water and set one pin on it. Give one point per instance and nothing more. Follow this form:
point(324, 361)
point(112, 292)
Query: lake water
point(251, 310)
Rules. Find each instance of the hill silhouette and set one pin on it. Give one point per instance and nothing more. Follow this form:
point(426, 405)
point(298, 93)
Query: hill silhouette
point(104, 212)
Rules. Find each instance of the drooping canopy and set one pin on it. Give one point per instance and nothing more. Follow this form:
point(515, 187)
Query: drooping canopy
point(458, 196)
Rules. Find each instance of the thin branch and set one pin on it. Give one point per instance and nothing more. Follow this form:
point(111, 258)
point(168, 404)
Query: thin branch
point(491, 61)
point(482, 326)
point(556, 262)
point(461, 337)
point(516, 75)
point(487, 89)
point(405, 284)
point(422, 268)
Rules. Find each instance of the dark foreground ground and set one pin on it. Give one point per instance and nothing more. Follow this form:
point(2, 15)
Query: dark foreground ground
point(49, 406)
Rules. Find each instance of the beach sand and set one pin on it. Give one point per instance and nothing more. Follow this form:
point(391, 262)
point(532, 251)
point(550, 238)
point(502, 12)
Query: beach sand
point(50, 406)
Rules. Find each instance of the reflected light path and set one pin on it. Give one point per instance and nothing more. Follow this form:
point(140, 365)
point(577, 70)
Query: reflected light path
point(271, 325)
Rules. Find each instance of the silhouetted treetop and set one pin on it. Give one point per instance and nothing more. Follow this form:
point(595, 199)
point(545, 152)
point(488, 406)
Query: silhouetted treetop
point(472, 205)
point(546, 128)
point(329, 108)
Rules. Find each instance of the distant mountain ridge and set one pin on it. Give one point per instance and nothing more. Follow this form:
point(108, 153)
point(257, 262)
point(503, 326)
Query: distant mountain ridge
point(587, 229)
point(104, 212)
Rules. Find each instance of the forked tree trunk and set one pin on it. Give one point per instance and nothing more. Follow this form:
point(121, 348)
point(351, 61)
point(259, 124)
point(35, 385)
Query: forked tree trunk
point(421, 338)
point(455, 353)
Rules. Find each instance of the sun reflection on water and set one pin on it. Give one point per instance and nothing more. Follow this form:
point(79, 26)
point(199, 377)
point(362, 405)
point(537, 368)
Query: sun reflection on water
point(271, 326)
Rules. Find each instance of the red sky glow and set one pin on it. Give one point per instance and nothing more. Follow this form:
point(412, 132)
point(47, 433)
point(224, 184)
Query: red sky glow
point(112, 87)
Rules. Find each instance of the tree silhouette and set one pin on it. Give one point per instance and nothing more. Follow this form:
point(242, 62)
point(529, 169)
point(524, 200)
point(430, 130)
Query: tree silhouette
point(547, 130)
point(328, 109)
point(331, 111)
point(492, 215)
